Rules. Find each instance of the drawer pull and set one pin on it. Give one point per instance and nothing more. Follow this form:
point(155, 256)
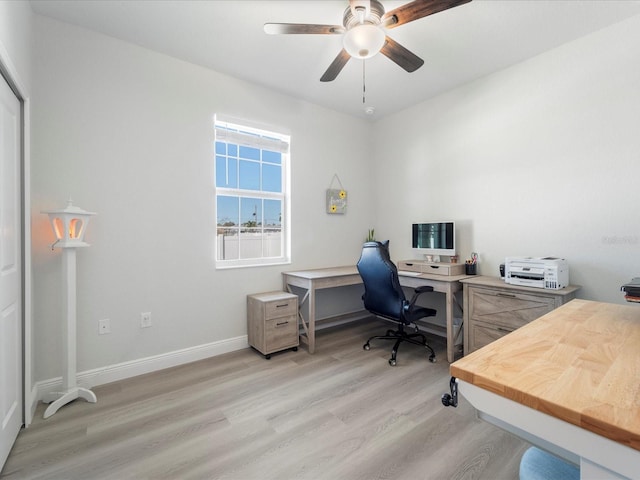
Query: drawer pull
point(500, 329)
point(508, 295)
point(281, 324)
point(282, 305)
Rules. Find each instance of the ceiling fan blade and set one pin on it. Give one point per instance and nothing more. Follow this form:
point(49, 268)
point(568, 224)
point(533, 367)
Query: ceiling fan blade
point(336, 66)
point(417, 9)
point(302, 28)
point(401, 56)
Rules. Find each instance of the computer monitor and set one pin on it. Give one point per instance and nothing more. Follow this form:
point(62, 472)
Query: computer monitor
point(434, 238)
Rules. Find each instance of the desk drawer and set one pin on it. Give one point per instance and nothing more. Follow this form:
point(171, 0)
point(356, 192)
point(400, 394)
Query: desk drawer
point(410, 266)
point(281, 308)
point(482, 334)
point(507, 309)
point(281, 333)
point(441, 268)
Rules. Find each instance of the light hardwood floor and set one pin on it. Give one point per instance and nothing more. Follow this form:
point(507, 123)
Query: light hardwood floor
point(342, 413)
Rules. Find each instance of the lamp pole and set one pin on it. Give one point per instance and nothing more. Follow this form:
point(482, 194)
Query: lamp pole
point(70, 390)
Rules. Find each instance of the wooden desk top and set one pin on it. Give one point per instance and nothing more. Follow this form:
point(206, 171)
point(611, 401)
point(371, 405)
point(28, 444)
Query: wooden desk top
point(579, 363)
point(324, 272)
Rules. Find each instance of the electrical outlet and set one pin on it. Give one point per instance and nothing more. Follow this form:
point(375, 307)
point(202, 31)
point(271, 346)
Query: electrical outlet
point(145, 320)
point(104, 326)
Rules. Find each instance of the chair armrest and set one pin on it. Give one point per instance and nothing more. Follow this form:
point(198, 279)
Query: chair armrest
point(417, 292)
point(422, 289)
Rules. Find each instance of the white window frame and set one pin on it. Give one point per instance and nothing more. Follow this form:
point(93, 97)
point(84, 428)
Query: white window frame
point(260, 137)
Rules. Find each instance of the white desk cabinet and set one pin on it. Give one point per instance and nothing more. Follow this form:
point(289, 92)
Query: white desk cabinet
point(493, 308)
point(272, 322)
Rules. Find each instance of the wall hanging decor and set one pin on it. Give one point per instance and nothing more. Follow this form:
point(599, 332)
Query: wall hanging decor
point(336, 197)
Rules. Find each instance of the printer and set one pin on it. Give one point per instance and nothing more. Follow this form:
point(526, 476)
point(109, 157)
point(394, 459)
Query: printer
point(540, 272)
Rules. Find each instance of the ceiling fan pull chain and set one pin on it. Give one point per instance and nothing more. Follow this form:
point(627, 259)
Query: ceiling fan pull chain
point(363, 84)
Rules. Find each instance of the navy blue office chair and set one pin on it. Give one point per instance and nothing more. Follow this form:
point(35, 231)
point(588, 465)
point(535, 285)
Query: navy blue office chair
point(384, 297)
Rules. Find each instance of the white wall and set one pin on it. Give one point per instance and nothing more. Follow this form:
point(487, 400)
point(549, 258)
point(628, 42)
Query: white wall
point(128, 134)
point(540, 159)
point(15, 37)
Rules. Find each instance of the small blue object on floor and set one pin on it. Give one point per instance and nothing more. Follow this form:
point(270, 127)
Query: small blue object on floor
point(540, 465)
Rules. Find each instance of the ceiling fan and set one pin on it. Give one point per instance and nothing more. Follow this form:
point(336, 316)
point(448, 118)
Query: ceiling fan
point(363, 29)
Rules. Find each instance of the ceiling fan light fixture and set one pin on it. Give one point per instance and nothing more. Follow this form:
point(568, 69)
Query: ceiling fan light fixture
point(363, 41)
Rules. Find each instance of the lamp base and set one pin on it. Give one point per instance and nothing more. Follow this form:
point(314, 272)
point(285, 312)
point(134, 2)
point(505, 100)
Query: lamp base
point(69, 396)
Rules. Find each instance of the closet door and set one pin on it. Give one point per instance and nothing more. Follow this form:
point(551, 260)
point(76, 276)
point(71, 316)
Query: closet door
point(11, 345)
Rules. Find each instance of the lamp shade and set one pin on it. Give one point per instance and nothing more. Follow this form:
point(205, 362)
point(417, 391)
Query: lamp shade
point(69, 226)
point(363, 41)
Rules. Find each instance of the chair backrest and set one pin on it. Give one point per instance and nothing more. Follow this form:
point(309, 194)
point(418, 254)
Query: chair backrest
point(383, 294)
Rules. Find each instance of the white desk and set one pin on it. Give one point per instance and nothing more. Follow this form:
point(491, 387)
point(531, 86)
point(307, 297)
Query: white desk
point(567, 382)
point(312, 280)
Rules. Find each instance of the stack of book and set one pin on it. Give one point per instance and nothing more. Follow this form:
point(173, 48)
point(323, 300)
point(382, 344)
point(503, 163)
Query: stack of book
point(632, 290)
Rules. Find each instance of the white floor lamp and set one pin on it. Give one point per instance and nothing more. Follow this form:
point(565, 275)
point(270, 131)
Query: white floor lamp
point(69, 226)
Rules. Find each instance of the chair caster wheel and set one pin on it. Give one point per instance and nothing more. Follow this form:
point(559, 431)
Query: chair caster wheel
point(366, 347)
point(295, 349)
point(268, 357)
point(433, 359)
point(392, 362)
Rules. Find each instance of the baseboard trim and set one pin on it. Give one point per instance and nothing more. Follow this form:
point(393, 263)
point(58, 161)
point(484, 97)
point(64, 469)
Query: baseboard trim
point(111, 373)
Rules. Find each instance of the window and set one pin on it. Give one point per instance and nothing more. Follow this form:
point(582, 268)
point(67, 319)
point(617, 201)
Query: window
point(252, 201)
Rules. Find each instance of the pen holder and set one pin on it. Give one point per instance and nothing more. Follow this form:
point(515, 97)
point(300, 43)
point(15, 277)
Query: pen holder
point(470, 268)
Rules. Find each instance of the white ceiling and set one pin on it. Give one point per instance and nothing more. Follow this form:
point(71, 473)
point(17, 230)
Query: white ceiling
point(457, 45)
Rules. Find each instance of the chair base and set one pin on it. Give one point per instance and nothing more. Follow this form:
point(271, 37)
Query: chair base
point(400, 336)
